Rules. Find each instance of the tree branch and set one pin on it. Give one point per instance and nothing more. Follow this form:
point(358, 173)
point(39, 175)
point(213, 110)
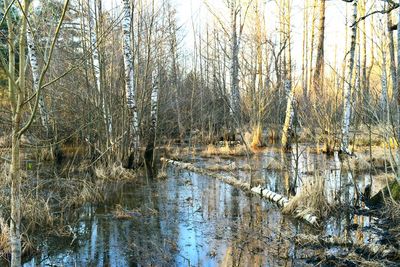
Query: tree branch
point(44, 71)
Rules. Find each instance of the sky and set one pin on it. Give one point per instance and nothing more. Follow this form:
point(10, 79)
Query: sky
point(195, 11)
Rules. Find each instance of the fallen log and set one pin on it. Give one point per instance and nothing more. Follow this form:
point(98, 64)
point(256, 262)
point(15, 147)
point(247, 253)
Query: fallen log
point(279, 200)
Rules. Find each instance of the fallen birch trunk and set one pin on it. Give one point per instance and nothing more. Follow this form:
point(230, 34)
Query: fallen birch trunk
point(279, 200)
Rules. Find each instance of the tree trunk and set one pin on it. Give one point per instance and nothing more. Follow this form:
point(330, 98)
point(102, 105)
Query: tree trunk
point(347, 89)
point(15, 223)
point(44, 117)
point(129, 84)
point(310, 75)
point(289, 89)
point(175, 73)
point(384, 96)
point(258, 104)
point(280, 200)
point(149, 153)
point(398, 97)
point(393, 70)
point(234, 71)
point(319, 65)
point(287, 126)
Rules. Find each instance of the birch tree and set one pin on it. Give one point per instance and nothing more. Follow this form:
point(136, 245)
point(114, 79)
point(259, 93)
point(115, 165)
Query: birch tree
point(289, 90)
point(348, 85)
point(44, 116)
point(94, 13)
point(129, 81)
point(234, 71)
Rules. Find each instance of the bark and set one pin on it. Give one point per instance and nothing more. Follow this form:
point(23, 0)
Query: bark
point(44, 116)
point(319, 65)
point(234, 71)
point(149, 152)
point(287, 126)
point(258, 115)
point(347, 89)
point(129, 80)
point(279, 200)
point(393, 71)
point(398, 98)
point(288, 88)
point(94, 12)
point(15, 95)
point(384, 95)
point(312, 44)
point(363, 56)
point(304, 61)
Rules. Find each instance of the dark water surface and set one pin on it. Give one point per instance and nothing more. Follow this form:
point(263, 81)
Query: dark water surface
point(193, 220)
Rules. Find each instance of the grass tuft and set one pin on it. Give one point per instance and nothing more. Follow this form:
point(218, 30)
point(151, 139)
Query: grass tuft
point(226, 150)
point(310, 200)
point(114, 172)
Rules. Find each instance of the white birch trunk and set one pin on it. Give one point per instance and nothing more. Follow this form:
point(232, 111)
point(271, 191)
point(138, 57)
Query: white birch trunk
point(347, 87)
point(384, 96)
point(154, 106)
point(280, 200)
point(129, 78)
point(44, 116)
point(287, 126)
point(94, 12)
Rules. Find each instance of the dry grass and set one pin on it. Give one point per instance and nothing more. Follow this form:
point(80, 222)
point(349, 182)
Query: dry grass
point(310, 200)
point(5, 248)
point(226, 150)
point(222, 167)
point(45, 154)
point(121, 213)
point(162, 175)
point(257, 138)
point(114, 172)
point(363, 161)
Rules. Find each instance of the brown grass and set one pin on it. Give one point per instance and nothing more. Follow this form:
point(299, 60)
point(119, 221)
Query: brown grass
point(114, 172)
point(5, 248)
point(362, 160)
point(226, 150)
point(162, 175)
point(310, 200)
point(121, 213)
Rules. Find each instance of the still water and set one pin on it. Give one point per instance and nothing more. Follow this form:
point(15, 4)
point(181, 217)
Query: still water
point(193, 220)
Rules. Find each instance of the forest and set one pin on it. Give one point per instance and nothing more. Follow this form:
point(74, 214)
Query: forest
point(199, 132)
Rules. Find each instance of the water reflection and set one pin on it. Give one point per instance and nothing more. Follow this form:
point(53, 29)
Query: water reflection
point(190, 219)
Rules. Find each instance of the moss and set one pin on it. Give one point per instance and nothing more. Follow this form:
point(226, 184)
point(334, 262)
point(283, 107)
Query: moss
point(395, 190)
point(378, 200)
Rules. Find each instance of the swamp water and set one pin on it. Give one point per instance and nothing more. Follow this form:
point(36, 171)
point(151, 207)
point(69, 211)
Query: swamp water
point(194, 220)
